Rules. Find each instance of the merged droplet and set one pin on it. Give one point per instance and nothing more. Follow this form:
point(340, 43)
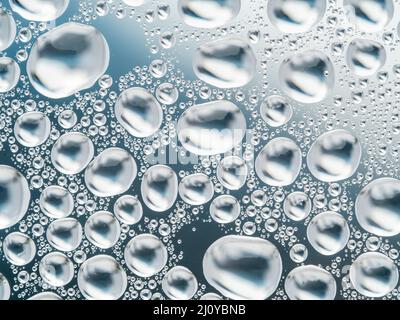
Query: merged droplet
point(19, 249)
point(297, 206)
point(310, 283)
point(308, 76)
point(159, 188)
point(374, 274)
point(225, 209)
point(227, 63)
point(179, 283)
point(279, 162)
point(15, 196)
point(8, 30)
point(295, 16)
point(9, 74)
point(56, 202)
point(276, 111)
point(196, 189)
point(5, 289)
point(211, 128)
point(365, 57)
point(145, 255)
point(39, 10)
point(110, 173)
point(369, 15)
point(102, 229)
point(334, 156)
point(56, 269)
point(128, 209)
point(138, 112)
point(378, 207)
point(328, 233)
point(72, 152)
point(243, 267)
point(67, 59)
point(32, 129)
point(102, 278)
point(208, 14)
point(64, 234)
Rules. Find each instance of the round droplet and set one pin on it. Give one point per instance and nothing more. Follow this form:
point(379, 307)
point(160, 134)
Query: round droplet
point(56, 202)
point(5, 289)
point(298, 253)
point(365, 57)
point(208, 14)
point(9, 74)
point(369, 15)
point(167, 93)
point(295, 16)
point(39, 10)
point(159, 188)
point(72, 152)
point(227, 63)
point(145, 255)
point(67, 119)
point(225, 209)
point(328, 233)
point(15, 196)
point(334, 156)
point(32, 129)
point(378, 207)
point(374, 274)
point(67, 59)
point(211, 128)
point(102, 278)
point(276, 111)
point(64, 234)
point(128, 209)
point(45, 296)
point(196, 189)
point(308, 76)
point(310, 283)
point(297, 206)
point(56, 269)
point(179, 283)
point(102, 229)
point(8, 30)
point(232, 172)
point(19, 248)
point(112, 172)
point(138, 112)
point(279, 162)
point(243, 267)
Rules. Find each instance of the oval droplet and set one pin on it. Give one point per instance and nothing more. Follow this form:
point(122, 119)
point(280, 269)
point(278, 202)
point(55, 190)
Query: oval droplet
point(196, 189)
point(8, 30)
point(9, 74)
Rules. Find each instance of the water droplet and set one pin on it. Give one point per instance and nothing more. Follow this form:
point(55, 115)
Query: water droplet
point(276, 111)
point(56, 202)
point(19, 248)
point(39, 10)
point(9, 74)
point(8, 30)
point(102, 229)
point(232, 172)
point(179, 283)
point(128, 209)
point(225, 209)
point(64, 234)
point(56, 269)
point(297, 206)
point(196, 189)
point(5, 289)
point(32, 129)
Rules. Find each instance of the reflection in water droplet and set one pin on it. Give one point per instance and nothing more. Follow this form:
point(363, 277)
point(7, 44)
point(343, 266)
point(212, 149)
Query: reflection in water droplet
point(110, 173)
point(39, 10)
point(279, 162)
point(72, 152)
point(102, 278)
point(307, 77)
point(295, 16)
point(227, 63)
point(8, 30)
point(276, 111)
point(67, 59)
point(243, 267)
point(32, 129)
point(138, 112)
point(211, 128)
point(334, 156)
point(297, 206)
point(225, 209)
point(56, 202)
point(56, 269)
point(196, 189)
point(328, 233)
point(209, 13)
point(19, 248)
point(374, 274)
point(179, 283)
point(15, 196)
point(145, 255)
point(64, 234)
point(102, 229)
point(365, 57)
point(232, 172)
point(378, 207)
point(310, 283)
point(9, 74)
point(159, 188)
point(128, 209)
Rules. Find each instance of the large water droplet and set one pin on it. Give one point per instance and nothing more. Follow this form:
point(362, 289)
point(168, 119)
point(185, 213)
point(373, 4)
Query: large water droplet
point(5, 289)
point(128, 209)
point(307, 77)
point(196, 189)
point(39, 10)
point(179, 283)
point(56, 269)
point(110, 173)
point(276, 111)
point(102, 229)
point(227, 63)
point(19, 248)
point(32, 129)
point(225, 209)
point(8, 30)
point(243, 267)
point(232, 172)
point(67, 59)
point(211, 128)
point(56, 202)
point(64, 234)
point(9, 74)
point(297, 206)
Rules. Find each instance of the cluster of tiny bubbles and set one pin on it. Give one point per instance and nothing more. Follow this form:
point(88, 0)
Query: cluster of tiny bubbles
point(186, 150)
